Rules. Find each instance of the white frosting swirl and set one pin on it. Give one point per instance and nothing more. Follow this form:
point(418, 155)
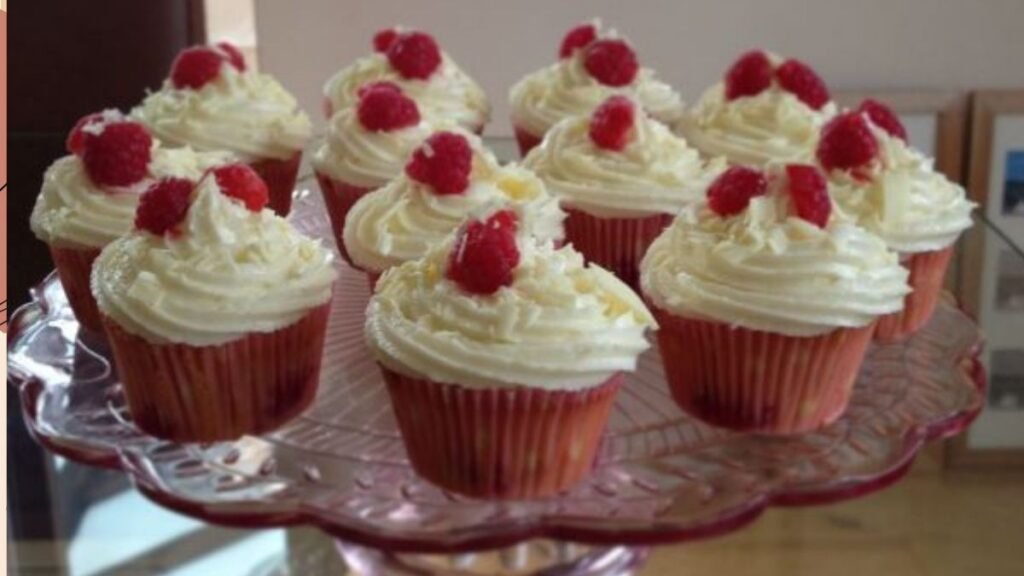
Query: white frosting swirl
point(903, 199)
point(230, 272)
point(559, 326)
point(771, 126)
point(360, 157)
point(765, 269)
point(404, 219)
point(656, 172)
point(73, 210)
point(247, 113)
point(448, 95)
point(566, 89)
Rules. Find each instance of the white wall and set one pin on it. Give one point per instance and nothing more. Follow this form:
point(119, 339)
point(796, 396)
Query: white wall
point(951, 44)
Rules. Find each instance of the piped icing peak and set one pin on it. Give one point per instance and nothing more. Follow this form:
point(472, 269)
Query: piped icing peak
point(772, 266)
point(223, 271)
point(556, 324)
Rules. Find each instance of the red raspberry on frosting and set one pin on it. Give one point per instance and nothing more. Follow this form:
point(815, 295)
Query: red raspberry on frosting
point(484, 256)
point(195, 67)
point(163, 205)
point(383, 108)
point(847, 143)
point(243, 183)
point(75, 142)
point(611, 62)
point(383, 38)
point(749, 75)
point(731, 192)
point(443, 162)
point(233, 55)
point(611, 124)
point(808, 193)
point(803, 82)
point(579, 37)
point(415, 55)
point(118, 155)
point(883, 117)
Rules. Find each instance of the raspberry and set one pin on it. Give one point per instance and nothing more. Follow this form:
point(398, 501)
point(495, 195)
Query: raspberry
point(243, 183)
point(383, 85)
point(444, 162)
point(119, 155)
point(803, 82)
point(612, 123)
point(883, 117)
point(484, 256)
point(808, 192)
point(414, 55)
point(749, 75)
point(195, 67)
point(383, 108)
point(846, 143)
point(383, 38)
point(731, 192)
point(75, 142)
point(164, 205)
point(578, 37)
point(233, 55)
point(611, 62)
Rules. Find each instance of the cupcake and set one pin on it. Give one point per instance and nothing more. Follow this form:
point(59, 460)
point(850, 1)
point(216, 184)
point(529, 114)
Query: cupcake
point(502, 356)
point(213, 102)
point(765, 109)
point(894, 192)
point(215, 309)
point(767, 300)
point(448, 177)
point(621, 176)
point(88, 197)
point(593, 65)
point(366, 147)
point(414, 62)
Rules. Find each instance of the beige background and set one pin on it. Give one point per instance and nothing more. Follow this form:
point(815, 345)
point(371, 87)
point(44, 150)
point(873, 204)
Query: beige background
point(947, 44)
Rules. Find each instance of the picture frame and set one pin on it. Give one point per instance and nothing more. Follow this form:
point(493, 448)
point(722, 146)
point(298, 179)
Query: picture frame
point(992, 277)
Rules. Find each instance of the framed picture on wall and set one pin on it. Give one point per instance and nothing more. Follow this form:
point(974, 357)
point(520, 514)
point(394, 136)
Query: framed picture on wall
point(992, 276)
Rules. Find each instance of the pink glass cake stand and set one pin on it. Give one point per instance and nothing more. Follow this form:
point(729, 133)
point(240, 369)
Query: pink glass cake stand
point(661, 477)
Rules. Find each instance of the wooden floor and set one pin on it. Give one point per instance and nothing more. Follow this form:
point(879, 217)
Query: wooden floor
point(931, 524)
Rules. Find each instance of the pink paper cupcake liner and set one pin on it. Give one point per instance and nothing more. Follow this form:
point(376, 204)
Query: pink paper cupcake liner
point(339, 198)
point(616, 244)
point(212, 393)
point(927, 273)
point(280, 176)
point(74, 267)
point(500, 443)
point(754, 381)
point(526, 141)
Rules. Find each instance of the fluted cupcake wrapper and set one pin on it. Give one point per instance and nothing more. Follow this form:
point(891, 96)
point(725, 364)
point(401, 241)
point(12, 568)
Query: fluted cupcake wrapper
point(212, 393)
point(755, 381)
point(339, 197)
point(526, 141)
point(74, 267)
point(502, 443)
point(280, 176)
point(927, 275)
point(616, 244)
